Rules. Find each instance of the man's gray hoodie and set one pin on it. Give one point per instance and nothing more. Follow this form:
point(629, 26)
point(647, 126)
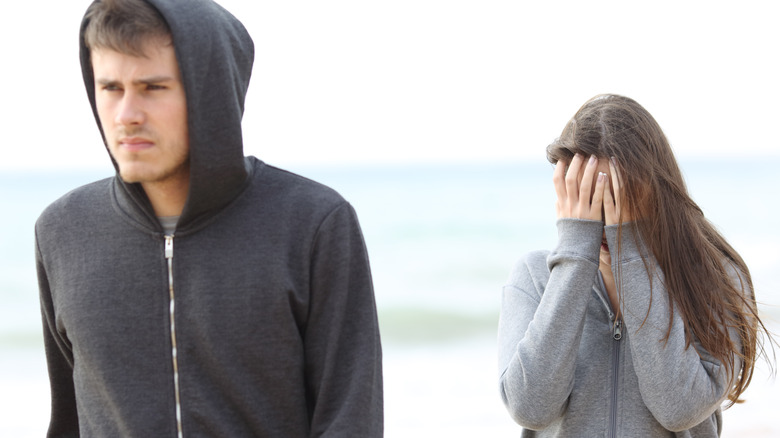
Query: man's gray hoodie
point(276, 331)
point(569, 368)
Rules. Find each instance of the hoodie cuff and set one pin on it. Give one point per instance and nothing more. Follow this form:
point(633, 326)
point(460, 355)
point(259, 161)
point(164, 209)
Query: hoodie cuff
point(630, 247)
point(579, 237)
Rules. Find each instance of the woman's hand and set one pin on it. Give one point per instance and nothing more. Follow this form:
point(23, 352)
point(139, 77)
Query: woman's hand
point(574, 191)
point(612, 204)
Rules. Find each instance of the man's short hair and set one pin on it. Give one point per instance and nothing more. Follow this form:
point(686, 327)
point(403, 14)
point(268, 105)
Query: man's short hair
point(124, 26)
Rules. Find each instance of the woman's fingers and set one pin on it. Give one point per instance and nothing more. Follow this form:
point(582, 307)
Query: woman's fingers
point(572, 179)
point(581, 187)
point(616, 187)
point(559, 182)
point(585, 189)
point(561, 202)
point(610, 212)
point(598, 196)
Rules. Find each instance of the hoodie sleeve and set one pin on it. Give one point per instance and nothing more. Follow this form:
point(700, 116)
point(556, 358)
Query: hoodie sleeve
point(541, 324)
point(59, 358)
point(680, 386)
point(342, 346)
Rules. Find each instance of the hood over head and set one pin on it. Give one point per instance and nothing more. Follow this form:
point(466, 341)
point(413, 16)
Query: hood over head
point(215, 55)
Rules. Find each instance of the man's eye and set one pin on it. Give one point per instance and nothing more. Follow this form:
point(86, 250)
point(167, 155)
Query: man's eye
point(111, 88)
point(152, 87)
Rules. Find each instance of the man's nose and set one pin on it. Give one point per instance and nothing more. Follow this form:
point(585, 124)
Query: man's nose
point(130, 111)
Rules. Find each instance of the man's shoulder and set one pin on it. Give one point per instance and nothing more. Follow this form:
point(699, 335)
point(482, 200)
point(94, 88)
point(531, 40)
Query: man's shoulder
point(87, 199)
point(294, 188)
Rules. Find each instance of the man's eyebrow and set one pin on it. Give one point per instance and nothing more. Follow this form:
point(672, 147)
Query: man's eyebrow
point(141, 81)
point(105, 82)
point(154, 80)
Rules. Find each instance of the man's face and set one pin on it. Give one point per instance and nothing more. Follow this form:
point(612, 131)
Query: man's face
point(143, 110)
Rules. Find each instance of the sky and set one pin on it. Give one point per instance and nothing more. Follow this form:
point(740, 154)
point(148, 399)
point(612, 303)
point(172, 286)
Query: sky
point(358, 82)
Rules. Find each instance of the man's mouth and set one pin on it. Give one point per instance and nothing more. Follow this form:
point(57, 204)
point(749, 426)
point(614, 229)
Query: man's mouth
point(134, 144)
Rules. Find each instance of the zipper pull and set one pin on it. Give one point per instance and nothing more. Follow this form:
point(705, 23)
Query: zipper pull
point(168, 246)
point(616, 332)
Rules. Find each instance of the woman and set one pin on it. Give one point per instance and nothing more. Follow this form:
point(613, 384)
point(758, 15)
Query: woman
point(642, 321)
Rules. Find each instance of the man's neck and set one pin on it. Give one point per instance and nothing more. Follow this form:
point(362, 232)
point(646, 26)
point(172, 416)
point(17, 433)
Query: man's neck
point(167, 198)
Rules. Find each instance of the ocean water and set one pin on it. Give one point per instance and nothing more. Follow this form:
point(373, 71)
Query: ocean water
point(442, 240)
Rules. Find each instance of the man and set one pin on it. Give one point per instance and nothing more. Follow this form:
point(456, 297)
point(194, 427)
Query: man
point(199, 292)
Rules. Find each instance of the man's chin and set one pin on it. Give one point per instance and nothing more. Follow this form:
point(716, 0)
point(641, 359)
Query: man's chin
point(137, 170)
point(128, 177)
point(131, 175)
point(144, 174)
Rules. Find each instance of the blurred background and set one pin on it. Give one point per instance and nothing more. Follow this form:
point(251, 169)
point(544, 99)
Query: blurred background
point(431, 117)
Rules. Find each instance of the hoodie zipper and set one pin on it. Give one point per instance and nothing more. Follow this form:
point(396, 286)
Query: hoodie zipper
point(172, 316)
point(617, 335)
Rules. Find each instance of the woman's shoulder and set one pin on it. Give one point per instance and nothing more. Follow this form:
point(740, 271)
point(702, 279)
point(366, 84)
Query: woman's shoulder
point(530, 272)
point(534, 260)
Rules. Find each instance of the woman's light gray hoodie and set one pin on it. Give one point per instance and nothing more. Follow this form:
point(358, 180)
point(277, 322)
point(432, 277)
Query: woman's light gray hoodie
point(569, 369)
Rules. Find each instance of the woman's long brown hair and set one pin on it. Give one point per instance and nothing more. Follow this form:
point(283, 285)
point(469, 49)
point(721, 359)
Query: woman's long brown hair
point(706, 280)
